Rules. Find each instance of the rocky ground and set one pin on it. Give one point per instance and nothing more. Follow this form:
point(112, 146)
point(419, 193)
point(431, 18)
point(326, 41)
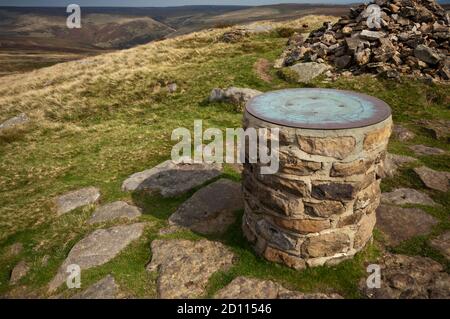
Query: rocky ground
point(412, 38)
point(97, 190)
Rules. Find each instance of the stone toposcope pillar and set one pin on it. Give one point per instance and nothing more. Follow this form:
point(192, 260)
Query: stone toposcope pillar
point(319, 208)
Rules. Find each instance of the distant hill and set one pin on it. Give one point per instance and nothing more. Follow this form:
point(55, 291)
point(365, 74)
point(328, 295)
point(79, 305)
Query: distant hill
point(31, 38)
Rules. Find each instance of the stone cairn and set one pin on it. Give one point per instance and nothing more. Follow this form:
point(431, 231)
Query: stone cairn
point(412, 38)
point(319, 209)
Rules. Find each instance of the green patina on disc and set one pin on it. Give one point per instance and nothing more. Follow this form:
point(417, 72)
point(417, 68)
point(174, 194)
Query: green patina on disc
point(318, 109)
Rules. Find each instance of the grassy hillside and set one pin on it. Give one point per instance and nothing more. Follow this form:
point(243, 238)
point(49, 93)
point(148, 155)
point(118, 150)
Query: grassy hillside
point(31, 38)
point(98, 120)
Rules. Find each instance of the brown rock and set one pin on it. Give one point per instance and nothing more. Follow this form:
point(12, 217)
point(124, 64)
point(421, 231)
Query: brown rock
point(426, 54)
point(343, 62)
point(294, 166)
point(348, 169)
point(362, 57)
point(337, 147)
point(281, 202)
point(324, 208)
point(298, 188)
point(352, 219)
point(399, 224)
point(377, 138)
point(278, 256)
point(365, 230)
point(326, 244)
point(433, 179)
point(303, 226)
point(368, 199)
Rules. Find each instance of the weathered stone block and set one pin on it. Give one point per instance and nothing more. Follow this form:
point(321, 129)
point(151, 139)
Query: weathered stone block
point(337, 147)
point(275, 237)
point(351, 219)
point(348, 169)
point(324, 208)
point(326, 245)
point(278, 256)
point(369, 196)
point(295, 187)
point(295, 166)
point(333, 191)
point(303, 226)
point(365, 229)
point(377, 138)
point(278, 201)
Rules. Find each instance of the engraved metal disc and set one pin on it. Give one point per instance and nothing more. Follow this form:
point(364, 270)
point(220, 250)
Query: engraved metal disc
point(323, 109)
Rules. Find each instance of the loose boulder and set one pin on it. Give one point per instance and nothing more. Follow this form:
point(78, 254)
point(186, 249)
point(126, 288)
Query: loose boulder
point(234, 95)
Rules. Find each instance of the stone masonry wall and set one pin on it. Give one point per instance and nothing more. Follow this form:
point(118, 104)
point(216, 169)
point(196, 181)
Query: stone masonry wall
point(320, 206)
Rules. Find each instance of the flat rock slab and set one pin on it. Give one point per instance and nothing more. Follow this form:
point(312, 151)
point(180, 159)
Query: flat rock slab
point(170, 179)
point(308, 71)
point(406, 277)
point(436, 180)
point(185, 266)
point(211, 209)
point(393, 162)
point(426, 150)
point(399, 224)
point(106, 288)
point(251, 288)
point(113, 211)
point(403, 196)
point(97, 249)
point(439, 129)
point(442, 243)
point(19, 271)
point(402, 134)
point(20, 119)
point(76, 199)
